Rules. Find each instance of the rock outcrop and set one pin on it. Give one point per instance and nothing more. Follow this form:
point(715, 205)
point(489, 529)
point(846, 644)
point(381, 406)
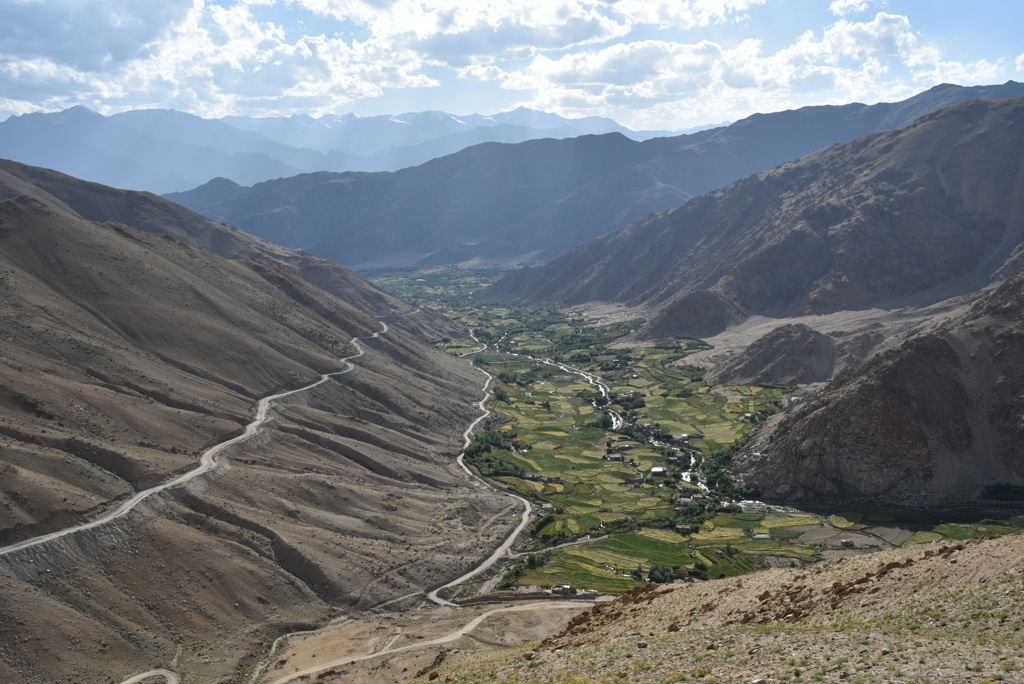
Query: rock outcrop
point(935, 420)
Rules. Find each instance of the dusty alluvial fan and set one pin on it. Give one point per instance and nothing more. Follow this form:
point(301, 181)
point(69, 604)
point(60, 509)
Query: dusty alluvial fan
point(125, 355)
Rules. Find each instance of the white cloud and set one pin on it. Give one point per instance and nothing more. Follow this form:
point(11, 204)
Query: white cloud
point(650, 66)
point(981, 71)
point(682, 14)
point(455, 33)
point(669, 84)
point(658, 63)
point(844, 7)
point(883, 36)
point(217, 59)
point(85, 34)
point(459, 33)
point(214, 57)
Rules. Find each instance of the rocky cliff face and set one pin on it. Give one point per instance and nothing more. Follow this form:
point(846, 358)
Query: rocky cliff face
point(905, 217)
point(933, 420)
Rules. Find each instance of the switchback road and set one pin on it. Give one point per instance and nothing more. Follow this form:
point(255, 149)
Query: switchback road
point(524, 519)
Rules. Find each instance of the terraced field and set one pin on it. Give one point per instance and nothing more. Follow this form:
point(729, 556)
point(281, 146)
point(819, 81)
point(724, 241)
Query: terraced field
point(562, 460)
point(551, 440)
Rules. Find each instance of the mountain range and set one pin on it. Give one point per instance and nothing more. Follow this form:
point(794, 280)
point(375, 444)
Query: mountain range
point(533, 201)
point(379, 136)
point(903, 217)
point(164, 150)
point(138, 333)
point(151, 213)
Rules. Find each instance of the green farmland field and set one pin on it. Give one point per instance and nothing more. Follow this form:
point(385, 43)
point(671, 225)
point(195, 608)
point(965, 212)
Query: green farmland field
point(549, 441)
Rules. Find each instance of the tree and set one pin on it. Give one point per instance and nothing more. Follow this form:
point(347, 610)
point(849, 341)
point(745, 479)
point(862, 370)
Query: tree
point(662, 574)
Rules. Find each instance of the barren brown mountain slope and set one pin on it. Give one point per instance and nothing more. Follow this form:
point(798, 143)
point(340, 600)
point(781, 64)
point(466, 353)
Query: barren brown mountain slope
point(932, 613)
point(934, 420)
point(155, 214)
point(905, 217)
point(123, 355)
point(792, 354)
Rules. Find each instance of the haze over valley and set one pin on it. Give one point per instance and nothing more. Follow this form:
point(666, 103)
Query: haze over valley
point(695, 355)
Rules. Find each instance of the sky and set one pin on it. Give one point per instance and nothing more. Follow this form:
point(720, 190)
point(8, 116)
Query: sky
point(648, 64)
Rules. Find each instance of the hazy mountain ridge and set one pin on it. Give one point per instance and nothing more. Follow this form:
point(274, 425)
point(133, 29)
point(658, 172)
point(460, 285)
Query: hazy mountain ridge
point(85, 144)
point(913, 215)
point(357, 218)
point(165, 150)
point(505, 203)
point(125, 354)
point(367, 136)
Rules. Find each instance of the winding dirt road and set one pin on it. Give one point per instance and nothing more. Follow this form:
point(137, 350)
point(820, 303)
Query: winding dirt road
point(388, 650)
point(467, 437)
point(207, 462)
point(169, 677)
